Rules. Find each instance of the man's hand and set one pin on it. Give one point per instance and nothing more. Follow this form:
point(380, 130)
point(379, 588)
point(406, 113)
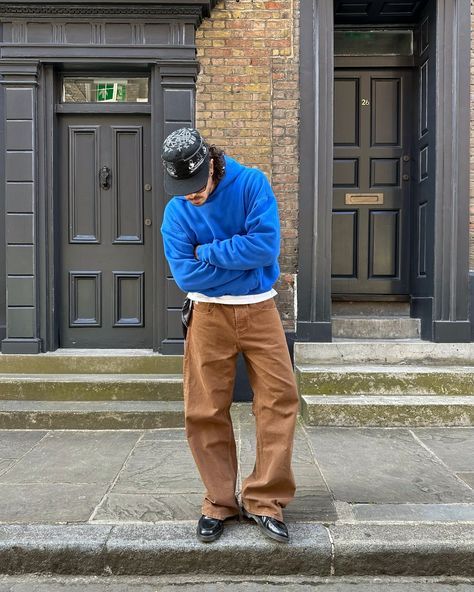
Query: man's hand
point(195, 252)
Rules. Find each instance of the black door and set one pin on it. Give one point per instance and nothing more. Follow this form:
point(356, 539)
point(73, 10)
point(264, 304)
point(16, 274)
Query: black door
point(105, 226)
point(370, 228)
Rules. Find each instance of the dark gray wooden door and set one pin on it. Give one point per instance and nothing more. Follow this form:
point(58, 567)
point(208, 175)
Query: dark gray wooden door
point(105, 226)
point(370, 228)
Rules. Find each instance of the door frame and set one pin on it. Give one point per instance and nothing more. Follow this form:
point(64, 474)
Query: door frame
point(444, 313)
point(160, 37)
point(49, 128)
point(161, 76)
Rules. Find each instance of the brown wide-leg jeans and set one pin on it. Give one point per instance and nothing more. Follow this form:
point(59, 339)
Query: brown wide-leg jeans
point(216, 334)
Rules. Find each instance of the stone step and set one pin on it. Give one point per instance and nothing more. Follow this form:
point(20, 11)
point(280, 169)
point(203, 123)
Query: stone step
point(414, 352)
point(375, 327)
point(385, 380)
point(88, 387)
point(96, 415)
point(370, 308)
point(387, 411)
point(92, 361)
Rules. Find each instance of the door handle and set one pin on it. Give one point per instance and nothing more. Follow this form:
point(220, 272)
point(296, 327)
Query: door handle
point(104, 177)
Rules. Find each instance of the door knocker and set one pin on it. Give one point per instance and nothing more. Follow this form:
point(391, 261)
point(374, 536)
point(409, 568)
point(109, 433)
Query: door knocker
point(104, 176)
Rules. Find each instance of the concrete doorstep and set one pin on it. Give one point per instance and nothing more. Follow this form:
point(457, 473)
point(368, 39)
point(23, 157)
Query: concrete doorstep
point(369, 502)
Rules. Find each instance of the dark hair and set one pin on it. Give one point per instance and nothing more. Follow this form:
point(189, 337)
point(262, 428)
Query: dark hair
point(217, 154)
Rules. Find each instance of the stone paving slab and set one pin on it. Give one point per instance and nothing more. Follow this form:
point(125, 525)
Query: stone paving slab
point(145, 476)
point(414, 512)
point(454, 446)
point(467, 478)
point(15, 443)
point(384, 465)
point(173, 434)
point(73, 457)
point(136, 507)
point(5, 464)
point(311, 504)
point(159, 467)
point(29, 503)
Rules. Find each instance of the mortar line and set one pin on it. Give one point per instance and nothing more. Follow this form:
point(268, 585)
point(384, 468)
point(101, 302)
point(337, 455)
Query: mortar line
point(421, 443)
point(94, 512)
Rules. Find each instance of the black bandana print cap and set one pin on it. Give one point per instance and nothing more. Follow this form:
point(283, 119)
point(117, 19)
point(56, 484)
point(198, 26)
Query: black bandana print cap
point(185, 157)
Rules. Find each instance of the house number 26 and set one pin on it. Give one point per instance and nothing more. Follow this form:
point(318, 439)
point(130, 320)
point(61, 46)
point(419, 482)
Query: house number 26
point(365, 102)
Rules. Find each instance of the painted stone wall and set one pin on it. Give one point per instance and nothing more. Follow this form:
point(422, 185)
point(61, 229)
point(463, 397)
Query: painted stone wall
point(247, 103)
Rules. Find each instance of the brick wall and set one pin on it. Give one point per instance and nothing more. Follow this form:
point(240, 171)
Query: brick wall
point(247, 103)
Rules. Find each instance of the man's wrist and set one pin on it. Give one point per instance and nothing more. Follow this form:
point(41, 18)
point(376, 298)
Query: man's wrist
point(195, 252)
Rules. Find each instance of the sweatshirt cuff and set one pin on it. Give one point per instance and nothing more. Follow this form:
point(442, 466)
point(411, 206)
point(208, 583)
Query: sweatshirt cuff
point(202, 253)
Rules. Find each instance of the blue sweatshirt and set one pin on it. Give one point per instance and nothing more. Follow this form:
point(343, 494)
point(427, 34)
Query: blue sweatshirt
point(238, 230)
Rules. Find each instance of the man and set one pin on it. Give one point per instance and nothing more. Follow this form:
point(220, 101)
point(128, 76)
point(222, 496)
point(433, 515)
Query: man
point(221, 236)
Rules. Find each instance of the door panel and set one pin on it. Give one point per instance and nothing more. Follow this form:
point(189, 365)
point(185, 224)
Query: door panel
point(128, 190)
point(344, 261)
point(105, 259)
point(346, 120)
point(83, 193)
point(383, 241)
point(370, 245)
point(424, 158)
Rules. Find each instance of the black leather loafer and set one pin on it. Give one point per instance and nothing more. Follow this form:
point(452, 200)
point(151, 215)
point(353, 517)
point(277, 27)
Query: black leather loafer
point(209, 529)
point(271, 527)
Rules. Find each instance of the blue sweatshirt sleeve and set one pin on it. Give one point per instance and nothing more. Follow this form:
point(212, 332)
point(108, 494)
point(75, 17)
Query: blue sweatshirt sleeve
point(189, 273)
point(260, 245)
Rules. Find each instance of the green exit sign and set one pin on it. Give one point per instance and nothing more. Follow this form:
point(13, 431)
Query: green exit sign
point(111, 91)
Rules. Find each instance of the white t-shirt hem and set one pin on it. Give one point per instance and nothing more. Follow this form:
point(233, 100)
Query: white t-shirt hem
point(229, 299)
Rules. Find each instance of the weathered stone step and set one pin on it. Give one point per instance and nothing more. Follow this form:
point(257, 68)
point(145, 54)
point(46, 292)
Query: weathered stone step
point(375, 328)
point(88, 387)
point(96, 415)
point(385, 352)
point(385, 380)
point(374, 308)
point(87, 361)
point(387, 411)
